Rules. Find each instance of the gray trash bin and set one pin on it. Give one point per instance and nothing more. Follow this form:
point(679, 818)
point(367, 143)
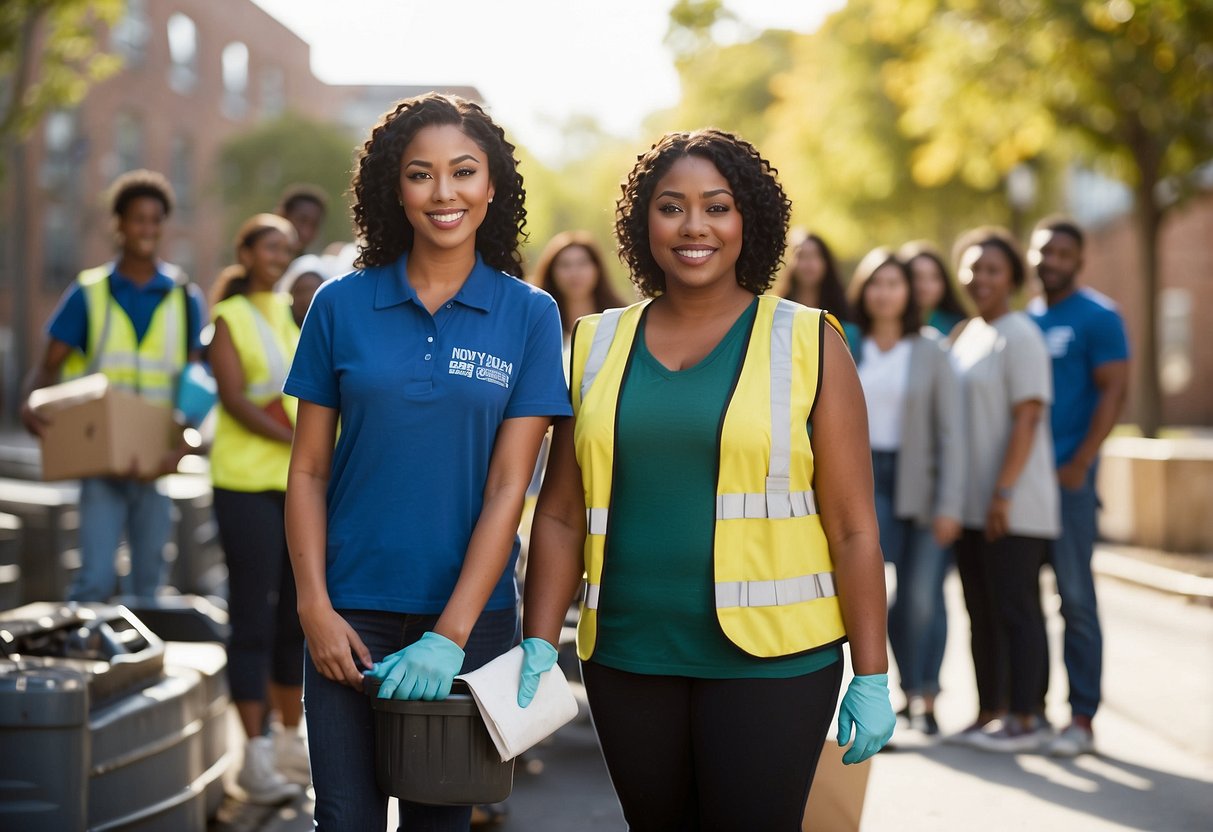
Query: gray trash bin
point(90, 682)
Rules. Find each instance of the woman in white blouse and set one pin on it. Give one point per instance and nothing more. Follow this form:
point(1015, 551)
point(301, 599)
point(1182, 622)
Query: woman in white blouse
point(914, 427)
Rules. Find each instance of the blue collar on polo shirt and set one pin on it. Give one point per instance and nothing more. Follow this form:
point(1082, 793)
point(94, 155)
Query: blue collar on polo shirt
point(162, 281)
point(393, 287)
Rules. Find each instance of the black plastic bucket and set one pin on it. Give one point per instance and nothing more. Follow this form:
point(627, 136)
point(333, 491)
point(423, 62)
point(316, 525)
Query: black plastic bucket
point(437, 752)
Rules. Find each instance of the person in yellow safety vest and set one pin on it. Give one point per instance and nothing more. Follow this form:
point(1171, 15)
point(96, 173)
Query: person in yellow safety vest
point(250, 353)
point(726, 557)
point(139, 321)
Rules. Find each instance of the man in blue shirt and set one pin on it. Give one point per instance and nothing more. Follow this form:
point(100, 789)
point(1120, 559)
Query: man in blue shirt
point(1086, 338)
point(139, 284)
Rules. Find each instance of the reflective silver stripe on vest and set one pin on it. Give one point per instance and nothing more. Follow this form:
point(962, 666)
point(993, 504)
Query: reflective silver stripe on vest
point(757, 506)
point(98, 351)
point(777, 501)
point(591, 596)
point(599, 347)
point(273, 359)
point(596, 520)
point(775, 593)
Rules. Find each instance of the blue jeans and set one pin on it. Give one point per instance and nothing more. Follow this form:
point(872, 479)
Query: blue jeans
point(918, 623)
point(107, 508)
point(341, 725)
point(1071, 559)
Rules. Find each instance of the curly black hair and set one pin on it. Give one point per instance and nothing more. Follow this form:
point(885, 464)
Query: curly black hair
point(759, 197)
point(384, 232)
point(140, 183)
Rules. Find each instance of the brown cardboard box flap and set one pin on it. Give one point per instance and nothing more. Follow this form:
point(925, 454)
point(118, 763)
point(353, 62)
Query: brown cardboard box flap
point(57, 397)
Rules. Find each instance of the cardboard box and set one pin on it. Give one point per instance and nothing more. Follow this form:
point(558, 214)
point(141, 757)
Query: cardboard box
point(96, 430)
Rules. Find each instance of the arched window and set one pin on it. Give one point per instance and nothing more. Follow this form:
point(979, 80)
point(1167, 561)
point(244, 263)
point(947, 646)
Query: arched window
point(183, 53)
point(235, 79)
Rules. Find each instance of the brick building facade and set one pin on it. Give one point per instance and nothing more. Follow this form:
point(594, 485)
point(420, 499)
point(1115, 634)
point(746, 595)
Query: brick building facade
point(195, 74)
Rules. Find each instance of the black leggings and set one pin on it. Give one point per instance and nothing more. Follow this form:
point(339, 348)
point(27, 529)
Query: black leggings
point(267, 639)
point(1001, 582)
point(711, 754)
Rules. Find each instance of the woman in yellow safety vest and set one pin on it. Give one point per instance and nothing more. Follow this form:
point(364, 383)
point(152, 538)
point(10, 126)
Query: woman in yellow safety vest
point(251, 351)
point(726, 557)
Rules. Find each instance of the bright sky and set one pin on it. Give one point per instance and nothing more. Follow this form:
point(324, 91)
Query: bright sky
point(537, 62)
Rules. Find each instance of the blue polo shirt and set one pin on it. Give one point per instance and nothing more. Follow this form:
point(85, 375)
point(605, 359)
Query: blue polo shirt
point(421, 398)
point(1083, 331)
point(69, 322)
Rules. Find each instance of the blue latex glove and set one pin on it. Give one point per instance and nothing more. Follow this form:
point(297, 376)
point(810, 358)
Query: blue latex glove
point(423, 670)
point(866, 708)
point(538, 657)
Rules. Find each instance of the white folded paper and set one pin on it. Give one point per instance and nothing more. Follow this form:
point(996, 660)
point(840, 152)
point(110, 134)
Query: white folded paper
point(513, 729)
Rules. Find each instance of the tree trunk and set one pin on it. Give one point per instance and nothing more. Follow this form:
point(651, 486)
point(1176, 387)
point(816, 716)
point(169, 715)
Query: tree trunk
point(1149, 224)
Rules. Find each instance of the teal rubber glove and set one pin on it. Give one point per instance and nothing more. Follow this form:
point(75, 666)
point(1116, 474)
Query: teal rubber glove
point(866, 709)
point(538, 657)
point(424, 670)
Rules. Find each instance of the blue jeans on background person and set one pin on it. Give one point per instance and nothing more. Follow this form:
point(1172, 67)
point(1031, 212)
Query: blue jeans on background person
point(1071, 560)
point(341, 725)
point(918, 623)
point(108, 507)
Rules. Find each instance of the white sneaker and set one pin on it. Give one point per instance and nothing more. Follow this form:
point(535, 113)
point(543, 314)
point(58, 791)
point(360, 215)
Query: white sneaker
point(263, 783)
point(291, 757)
point(1014, 736)
point(1071, 742)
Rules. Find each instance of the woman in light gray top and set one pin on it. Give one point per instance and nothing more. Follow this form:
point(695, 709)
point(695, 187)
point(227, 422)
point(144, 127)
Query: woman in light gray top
point(917, 457)
point(1010, 507)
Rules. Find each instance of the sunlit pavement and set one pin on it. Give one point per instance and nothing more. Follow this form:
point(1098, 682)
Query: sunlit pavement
point(1154, 770)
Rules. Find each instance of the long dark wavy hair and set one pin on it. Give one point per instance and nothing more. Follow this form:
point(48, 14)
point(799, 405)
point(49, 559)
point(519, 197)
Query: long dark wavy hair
point(605, 296)
point(832, 297)
point(385, 234)
point(759, 197)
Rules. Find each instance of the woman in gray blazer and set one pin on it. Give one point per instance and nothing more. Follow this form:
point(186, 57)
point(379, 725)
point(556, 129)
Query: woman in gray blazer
point(914, 423)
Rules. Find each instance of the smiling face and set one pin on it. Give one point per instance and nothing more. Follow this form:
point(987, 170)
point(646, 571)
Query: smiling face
point(444, 187)
point(695, 229)
point(986, 273)
point(266, 259)
point(140, 226)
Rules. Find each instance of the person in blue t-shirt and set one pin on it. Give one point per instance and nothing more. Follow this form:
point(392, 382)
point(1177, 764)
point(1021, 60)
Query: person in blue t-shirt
point(1086, 338)
point(444, 369)
point(139, 284)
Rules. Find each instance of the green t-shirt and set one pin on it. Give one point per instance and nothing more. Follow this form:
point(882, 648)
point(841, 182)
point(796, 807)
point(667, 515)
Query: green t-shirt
point(657, 610)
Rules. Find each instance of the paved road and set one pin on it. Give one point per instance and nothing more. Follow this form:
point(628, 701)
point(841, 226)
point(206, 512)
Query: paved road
point(1155, 735)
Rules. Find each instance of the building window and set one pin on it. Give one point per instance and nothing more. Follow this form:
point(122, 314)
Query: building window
point(129, 36)
point(183, 53)
point(128, 143)
point(273, 91)
point(181, 174)
point(59, 246)
point(64, 154)
point(235, 79)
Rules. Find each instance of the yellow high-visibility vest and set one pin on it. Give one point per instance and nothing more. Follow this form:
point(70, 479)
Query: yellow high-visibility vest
point(265, 338)
point(149, 368)
point(774, 578)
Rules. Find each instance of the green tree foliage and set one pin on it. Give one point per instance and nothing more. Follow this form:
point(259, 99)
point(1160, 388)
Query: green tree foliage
point(49, 55)
point(258, 165)
point(843, 158)
point(1124, 86)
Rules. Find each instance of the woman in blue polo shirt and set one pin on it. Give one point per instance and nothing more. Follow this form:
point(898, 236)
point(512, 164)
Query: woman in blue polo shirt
point(445, 372)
